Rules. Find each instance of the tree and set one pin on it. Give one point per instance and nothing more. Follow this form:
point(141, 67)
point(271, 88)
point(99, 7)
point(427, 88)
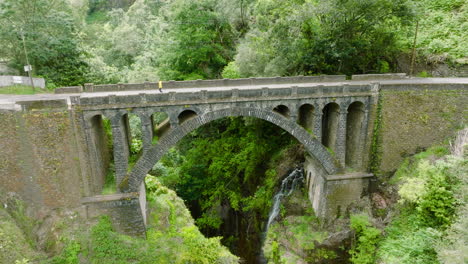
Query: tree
point(50, 32)
point(321, 37)
point(200, 41)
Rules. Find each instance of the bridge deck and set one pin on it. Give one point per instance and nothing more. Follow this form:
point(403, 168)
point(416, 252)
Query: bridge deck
point(9, 102)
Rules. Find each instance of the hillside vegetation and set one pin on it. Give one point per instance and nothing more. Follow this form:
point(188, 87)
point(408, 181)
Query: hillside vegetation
point(172, 237)
point(70, 42)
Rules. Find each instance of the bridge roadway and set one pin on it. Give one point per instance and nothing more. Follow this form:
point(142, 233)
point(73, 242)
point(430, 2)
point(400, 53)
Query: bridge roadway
point(9, 102)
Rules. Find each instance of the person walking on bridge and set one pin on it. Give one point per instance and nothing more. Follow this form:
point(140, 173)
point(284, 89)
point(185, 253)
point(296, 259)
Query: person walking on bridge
point(160, 86)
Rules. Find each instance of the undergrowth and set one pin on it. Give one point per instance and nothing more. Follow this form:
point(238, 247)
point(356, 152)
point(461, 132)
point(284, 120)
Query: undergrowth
point(431, 186)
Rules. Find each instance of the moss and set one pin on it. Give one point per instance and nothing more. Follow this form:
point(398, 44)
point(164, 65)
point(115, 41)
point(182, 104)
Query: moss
point(125, 183)
point(376, 146)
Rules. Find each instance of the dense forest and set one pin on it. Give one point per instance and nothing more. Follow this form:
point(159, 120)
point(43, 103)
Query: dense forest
point(71, 42)
point(227, 172)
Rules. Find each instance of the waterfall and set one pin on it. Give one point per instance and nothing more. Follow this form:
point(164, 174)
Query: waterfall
point(288, 185)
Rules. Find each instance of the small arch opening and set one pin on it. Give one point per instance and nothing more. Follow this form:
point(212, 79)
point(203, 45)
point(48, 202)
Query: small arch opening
point(282, 110)
point(161, 124)
point(330, 125)
point(186, 115)
point(354, 122)
point(134, 136)
point(102, 142)
point(306, 116)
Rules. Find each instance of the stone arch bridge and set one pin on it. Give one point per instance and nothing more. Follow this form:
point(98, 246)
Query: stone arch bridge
point(55, 151)
point(331, 121)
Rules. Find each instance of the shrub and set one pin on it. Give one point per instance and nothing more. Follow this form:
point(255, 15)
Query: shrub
point(366, 239)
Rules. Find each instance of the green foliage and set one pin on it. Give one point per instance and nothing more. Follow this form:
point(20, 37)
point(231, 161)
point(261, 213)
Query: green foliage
point(50, 33)
point(69, 254)
point(231, 71)
point(17, 210)
point(168, 168)
point(223, 166)
point(22, 261)
point(437, 204)
point(187, 40)
point(453, 248)
point(431, 193)
point(175, 232)
point(430, 190)
point(97, 17)
point(424, 74)
point(20, 89)
point(14, 247)
point(297, 235)
point(406, 242)
point(201, 41)
point(367, 237)
point(442, 29)
point(275, 253)
point(311, 37)
point(110, 247)
point(136, 142)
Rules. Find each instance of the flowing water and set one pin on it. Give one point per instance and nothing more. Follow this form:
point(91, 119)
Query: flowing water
point(288, 185)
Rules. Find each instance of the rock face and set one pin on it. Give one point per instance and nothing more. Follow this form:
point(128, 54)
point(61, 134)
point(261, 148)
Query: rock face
point(300, 237)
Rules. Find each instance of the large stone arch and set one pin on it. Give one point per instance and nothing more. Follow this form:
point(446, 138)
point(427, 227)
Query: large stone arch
point(150, 157)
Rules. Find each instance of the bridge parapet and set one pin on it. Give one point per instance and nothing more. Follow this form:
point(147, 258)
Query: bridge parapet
point(228, 95)
point(202, 83)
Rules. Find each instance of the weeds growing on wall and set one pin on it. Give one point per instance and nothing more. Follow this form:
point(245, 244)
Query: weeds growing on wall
point(376, 151)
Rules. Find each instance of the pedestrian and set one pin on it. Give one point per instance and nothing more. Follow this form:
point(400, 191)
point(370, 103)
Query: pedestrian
point(160, 86)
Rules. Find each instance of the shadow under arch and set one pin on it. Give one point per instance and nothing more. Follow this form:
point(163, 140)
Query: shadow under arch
point(150, 157)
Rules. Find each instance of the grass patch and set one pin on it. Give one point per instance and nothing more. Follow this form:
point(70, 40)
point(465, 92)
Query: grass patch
point(21, 89)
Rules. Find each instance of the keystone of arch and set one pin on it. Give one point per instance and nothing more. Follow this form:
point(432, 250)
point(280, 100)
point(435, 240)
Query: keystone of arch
point(155, 153)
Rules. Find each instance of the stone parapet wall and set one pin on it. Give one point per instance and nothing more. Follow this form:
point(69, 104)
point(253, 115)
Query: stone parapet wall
point(70, 89)
point(124, 209)
point(8, 80)
point(383, 76)
point(204, 83)
point(263, 94)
